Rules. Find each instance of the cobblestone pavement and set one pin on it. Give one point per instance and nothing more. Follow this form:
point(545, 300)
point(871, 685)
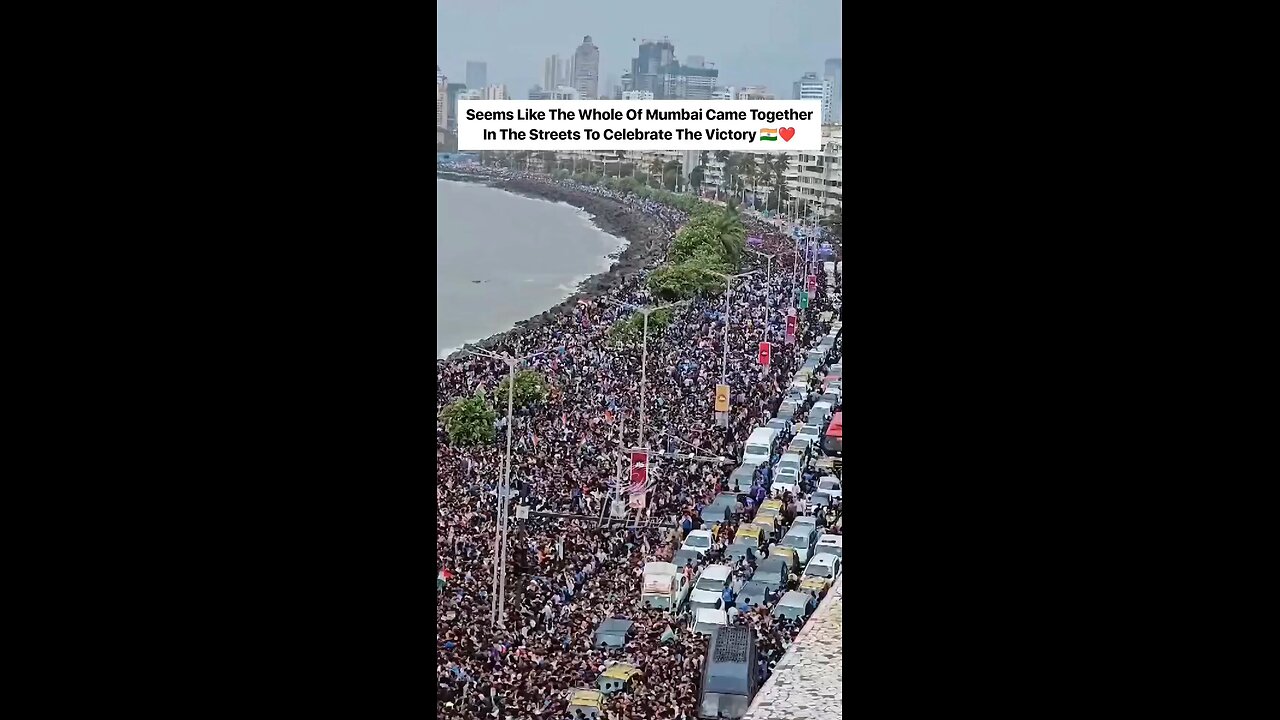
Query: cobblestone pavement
point(808, 679)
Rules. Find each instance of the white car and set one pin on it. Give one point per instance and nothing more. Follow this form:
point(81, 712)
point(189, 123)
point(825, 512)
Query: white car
point(831, 545)
point(698, 541)
point(786, 479)
point(830, 485)
point(812, 432)
point(805, 521)
point(707, 619)
point(710, 585)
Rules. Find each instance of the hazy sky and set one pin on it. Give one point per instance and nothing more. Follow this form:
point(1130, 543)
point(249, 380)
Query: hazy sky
point(751, 42)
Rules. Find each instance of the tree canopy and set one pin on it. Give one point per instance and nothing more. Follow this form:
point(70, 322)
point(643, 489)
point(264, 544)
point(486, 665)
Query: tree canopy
point(469, 421)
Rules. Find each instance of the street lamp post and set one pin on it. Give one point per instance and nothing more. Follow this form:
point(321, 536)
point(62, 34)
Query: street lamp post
point(728, 288)
point(768, 274)
point(499, 594)
point(644, 350)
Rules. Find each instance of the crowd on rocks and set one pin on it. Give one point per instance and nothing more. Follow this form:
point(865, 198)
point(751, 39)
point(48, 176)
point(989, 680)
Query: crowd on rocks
point(565, 572)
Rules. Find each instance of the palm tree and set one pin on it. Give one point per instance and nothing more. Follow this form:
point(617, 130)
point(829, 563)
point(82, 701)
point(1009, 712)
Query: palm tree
point(729, 229)
point(548, 161)
point(750, 171)
point(672, 166)
point(833, 222)
point(656, 168)
point(703, 157)
point(695, 177)
point(723, 157)
point(621, 155)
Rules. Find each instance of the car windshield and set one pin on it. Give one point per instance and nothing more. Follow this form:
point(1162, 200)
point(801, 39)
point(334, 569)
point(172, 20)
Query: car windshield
point(816, 570)
point(698, 541)
point(829, 485)
point(757, 450)
point(795, 541)
point(710, 584)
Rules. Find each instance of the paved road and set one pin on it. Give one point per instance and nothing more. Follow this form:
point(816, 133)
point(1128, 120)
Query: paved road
point(808, 680)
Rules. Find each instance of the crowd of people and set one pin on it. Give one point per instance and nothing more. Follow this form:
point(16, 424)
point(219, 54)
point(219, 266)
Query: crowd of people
point(566, 573)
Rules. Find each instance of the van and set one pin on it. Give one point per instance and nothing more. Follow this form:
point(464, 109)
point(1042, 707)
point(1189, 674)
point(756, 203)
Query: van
point(759, 447)
point(730, 677)
point(829, 268)
point(663, 587)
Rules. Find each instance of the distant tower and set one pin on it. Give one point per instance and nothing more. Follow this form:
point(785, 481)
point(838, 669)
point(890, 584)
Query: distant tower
point(586, 70)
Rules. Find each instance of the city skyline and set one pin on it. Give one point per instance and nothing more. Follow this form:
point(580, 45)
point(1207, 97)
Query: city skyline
point(516, 47)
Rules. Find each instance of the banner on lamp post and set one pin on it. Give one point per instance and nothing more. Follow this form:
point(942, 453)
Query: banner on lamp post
point(764, 354)
point(791, 329)
point(722, 398)
point(813, 284)
point(639, 472)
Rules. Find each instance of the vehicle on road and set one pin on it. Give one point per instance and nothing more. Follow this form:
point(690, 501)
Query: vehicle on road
point(663, 586)
point(614, 633)
point(800, 540)
point(729, 675)
point(708, 619)
point(794, 604)
point(759, 446)
point(833, 441)
point(698, 541)
point(588, 702)
point(618, 677)
point(831, 544)
point(710, 584)
point(829, 484)
point(820, 572)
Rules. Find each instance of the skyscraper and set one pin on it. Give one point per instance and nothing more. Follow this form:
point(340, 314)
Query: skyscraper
point(476, 72)
point(556, 72)
point(811, 87)
point(656, 70)
point(833, 72)
point(586, 69)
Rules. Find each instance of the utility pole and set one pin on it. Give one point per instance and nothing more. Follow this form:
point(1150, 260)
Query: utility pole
point(499, 595)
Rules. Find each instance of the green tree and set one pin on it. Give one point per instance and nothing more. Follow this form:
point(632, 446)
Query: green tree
point(695, 177)
point(630, 330)
point(687, 279)
point(834, 223)
point(531, 388)
point(469, 421)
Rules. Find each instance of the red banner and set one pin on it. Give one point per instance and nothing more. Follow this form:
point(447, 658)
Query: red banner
point(791, 329)
point(764, 354)
point(813, 284)
point(639, 472)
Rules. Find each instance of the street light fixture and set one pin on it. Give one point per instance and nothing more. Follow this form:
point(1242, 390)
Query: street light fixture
point(499, 594)
point(644, 348)
point(768, 273)
point(728, 288)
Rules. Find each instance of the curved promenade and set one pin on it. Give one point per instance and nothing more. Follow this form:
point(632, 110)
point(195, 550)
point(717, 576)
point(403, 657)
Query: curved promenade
point(809, 679)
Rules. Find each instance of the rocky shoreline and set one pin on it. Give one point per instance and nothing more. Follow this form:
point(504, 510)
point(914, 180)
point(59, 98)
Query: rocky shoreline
point(646, 244)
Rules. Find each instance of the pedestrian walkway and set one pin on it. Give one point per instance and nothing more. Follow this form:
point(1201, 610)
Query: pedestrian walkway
point(808, 680)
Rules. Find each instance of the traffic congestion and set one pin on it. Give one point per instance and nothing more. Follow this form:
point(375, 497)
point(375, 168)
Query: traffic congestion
point(615, 611)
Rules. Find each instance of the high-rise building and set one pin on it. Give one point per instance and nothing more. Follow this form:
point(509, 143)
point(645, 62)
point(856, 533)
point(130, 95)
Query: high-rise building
point(648, 64)
point(656, 70)
point(476, 72)
point(637, 95)
point(722, 93)
point(556, 71)
point(811, 87)
point(696, 61)
point(562, 92)
point(754, 92)
point(494, 92)
point(586, 69)
point(833, 72)
point(442, 105)
point(452, 90)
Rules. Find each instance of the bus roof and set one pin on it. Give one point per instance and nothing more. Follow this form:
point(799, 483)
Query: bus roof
point(837, 425)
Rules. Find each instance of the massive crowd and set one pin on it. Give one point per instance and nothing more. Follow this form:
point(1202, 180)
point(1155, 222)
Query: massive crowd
point(566, 574)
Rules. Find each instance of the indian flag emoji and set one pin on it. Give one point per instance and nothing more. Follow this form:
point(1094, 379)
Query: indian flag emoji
point(768, 134)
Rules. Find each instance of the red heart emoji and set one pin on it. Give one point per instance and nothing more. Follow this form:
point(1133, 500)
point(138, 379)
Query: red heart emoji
point(787, 133)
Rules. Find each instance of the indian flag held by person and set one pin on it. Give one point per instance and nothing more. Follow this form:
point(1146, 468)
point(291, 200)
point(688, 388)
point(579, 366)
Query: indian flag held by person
point(768, 134)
